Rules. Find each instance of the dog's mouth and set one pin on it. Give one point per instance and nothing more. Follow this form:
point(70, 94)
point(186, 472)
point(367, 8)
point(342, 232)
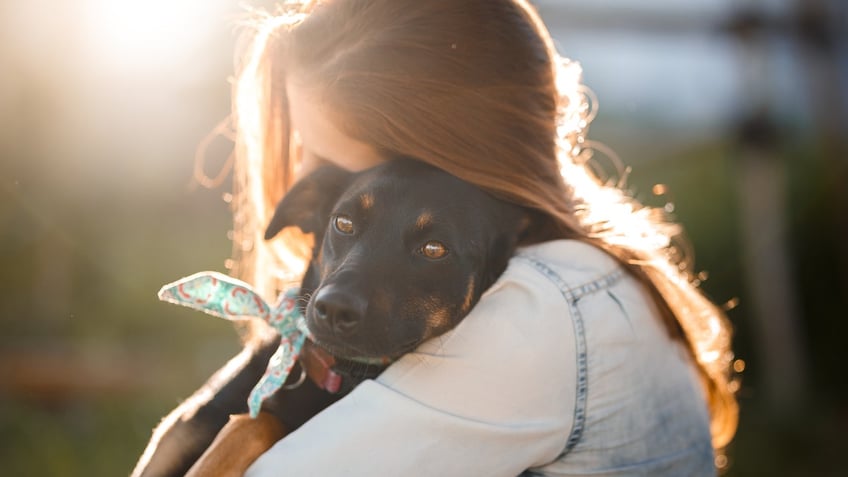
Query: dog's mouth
point(349, 352)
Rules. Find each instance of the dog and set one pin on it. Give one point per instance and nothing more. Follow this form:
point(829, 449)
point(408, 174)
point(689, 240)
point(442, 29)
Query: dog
point(403, 251)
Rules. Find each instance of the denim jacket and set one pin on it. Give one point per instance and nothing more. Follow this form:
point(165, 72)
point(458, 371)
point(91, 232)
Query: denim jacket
point(562, 368)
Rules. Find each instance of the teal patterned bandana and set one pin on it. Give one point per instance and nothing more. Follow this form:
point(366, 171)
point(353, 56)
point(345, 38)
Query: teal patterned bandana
point(223, 296)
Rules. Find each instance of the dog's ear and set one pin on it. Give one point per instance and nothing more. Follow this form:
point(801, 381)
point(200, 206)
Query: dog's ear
point(309, 202)
point(512, 222)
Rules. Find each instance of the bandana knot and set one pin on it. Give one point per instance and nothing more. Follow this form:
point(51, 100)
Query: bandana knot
point(226, 297)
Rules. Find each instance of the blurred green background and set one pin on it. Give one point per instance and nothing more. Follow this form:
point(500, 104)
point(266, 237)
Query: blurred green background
point(738, 108)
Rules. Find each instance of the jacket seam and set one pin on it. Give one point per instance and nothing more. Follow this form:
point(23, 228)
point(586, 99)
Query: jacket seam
point(571, 296)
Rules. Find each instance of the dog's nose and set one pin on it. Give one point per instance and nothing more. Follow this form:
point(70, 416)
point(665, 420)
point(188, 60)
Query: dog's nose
point(342, 311)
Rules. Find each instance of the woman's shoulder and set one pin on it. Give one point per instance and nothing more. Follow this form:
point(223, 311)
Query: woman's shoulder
point(564, 265)
point(570, 253)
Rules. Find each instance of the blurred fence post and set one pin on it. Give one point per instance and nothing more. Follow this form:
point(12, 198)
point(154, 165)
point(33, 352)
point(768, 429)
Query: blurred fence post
point(762, 187)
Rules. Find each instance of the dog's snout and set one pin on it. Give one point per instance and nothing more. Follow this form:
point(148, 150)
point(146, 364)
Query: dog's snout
point(339, 310)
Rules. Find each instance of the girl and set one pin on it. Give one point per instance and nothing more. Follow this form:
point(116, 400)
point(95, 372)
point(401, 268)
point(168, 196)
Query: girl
point(593, 354)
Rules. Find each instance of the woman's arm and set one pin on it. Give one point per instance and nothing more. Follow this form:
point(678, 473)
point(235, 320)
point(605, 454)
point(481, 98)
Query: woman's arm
point(493, 397)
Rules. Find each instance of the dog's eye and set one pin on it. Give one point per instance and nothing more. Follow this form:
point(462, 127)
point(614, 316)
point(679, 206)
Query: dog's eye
point(434, 250)
point(343, 224)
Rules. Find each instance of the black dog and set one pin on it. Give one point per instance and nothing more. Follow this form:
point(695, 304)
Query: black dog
point(403, 251)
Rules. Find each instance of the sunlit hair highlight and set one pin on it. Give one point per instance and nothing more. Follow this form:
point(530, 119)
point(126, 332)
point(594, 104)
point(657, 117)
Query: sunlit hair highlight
point(517, 130)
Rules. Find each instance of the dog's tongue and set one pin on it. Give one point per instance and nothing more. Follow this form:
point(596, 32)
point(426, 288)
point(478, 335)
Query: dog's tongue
point(319, 367)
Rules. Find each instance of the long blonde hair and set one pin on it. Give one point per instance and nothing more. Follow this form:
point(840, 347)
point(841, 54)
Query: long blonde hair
point(474, 87)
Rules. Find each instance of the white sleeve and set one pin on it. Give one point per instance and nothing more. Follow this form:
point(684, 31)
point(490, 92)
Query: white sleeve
point(493, 397)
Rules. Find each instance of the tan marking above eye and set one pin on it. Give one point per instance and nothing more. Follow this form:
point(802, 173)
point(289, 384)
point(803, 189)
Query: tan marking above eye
point(434, 250)
point(343, 224)
point(366, 200)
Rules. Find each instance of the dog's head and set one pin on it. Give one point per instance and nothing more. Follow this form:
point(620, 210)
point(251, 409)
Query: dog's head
point(403, 251)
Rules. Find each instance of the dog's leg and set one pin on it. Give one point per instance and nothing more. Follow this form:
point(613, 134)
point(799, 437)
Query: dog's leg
point(238, 444)
point(187, 431)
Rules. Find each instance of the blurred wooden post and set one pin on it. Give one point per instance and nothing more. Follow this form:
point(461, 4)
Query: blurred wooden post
point(761, 182)
point(761, 185)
